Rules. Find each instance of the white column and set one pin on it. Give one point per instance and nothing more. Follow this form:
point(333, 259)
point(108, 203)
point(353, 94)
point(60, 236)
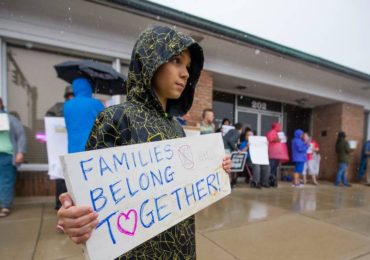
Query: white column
point(3, 73)
point(116, 99)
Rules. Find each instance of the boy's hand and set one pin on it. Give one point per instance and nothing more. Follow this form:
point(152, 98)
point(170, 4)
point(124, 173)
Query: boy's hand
point(226, 163)
point(77, 222)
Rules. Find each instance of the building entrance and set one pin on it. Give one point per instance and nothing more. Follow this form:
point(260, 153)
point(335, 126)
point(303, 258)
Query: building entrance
point(259, 121)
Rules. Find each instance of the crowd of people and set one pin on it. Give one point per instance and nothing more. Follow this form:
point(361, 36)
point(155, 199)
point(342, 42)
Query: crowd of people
point(305, 154)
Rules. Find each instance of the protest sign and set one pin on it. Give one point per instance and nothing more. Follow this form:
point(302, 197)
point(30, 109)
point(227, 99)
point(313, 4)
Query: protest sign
point(56, 144)
point(142, 190)
point(4, 122)
point(226, 129)
point(258, 150)
point(238, 161)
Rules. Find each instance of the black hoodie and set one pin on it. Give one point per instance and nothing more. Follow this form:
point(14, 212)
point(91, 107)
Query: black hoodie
point(142, 119)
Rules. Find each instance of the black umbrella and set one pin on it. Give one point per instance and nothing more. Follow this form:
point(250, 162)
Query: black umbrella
point(104, 79)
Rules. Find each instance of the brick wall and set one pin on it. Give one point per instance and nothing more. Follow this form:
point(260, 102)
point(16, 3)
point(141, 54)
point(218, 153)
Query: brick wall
point(203, 97)
point(327, 122)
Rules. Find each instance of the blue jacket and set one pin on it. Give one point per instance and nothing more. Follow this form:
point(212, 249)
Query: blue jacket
point(299, 147)
point(80, 113)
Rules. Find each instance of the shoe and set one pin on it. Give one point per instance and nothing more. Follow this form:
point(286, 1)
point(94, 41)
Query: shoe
point(4, 212)
point(347, 185)
point(258, 186)
point(265, 186)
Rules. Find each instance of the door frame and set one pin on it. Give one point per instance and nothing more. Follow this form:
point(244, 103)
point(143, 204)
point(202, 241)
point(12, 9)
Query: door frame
point(259, 113)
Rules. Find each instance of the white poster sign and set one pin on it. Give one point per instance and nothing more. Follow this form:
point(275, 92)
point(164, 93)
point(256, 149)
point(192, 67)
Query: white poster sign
point(142, 190)
point(4, 122)
point(258, 150)
point(56, 144)
point(226, 129)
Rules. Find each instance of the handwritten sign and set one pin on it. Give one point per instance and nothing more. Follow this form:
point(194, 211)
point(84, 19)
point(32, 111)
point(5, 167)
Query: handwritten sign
point(258, 150)
point(142, 190)
point(56, 144)
point(4, 122)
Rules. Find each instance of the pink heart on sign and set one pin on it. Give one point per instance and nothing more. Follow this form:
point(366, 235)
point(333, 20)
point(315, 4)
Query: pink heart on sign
point(127, 217)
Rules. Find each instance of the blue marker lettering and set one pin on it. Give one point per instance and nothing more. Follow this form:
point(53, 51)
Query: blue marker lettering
point(141, 160)
point(156, 177)
point(199, 190)
point(105, 167)
point(168, 175)
point(95, 198)
point(146, 225)
point(120, 162)
point(82, 165)
point(129, 188)
point(157, 153)
point(167, 148)
point(188, 195)
point(107, 220)
point(210, 182)
point(144, 186)
point(156, 201)
point(177, 197)
point(114, 192)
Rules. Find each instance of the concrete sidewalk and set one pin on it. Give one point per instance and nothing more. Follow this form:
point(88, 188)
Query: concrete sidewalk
point(323, 222)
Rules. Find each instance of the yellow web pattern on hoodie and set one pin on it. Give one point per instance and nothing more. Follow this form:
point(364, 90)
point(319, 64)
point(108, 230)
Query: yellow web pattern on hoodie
point(142, 119)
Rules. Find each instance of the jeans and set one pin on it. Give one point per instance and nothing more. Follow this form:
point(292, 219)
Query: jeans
point(274, 164)
point(8, 176)
point(341, 174)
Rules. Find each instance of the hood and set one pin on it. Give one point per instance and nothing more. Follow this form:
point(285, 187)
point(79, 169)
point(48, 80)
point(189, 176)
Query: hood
point(298, 133)
point(154, 47)
point(81, 88)
point(276, 126)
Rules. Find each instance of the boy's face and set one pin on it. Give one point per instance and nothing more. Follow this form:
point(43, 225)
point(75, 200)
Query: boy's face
point(170, 78)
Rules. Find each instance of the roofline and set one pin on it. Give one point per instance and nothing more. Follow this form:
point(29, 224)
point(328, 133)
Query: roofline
point(219, 29)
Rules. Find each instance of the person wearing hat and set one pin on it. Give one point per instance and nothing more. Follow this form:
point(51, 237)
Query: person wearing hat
point(57, 109)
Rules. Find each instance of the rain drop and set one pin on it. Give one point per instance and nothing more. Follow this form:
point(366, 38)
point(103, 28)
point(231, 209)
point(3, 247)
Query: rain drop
point(158, 18)
point(257, 51)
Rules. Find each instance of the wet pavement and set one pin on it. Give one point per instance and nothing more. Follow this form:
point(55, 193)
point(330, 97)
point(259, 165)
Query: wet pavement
point(313, 222)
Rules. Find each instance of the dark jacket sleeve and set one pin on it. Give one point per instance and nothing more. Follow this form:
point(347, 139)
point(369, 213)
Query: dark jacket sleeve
point(111, 128)
point(231, 140)
point(347, 149)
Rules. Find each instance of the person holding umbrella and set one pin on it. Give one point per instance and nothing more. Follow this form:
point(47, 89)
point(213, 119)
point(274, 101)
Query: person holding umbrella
point(164, 69)
point(80, 114)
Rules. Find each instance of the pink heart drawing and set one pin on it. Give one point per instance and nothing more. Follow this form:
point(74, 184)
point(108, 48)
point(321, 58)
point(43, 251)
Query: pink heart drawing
point(127, 217)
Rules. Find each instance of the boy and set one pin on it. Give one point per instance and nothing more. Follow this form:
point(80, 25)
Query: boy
point(164, 69)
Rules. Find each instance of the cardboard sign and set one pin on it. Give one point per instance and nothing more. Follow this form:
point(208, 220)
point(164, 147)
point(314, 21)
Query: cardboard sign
point(56, 144)
point(238, 161)
point(142, 190)
point(258, 150)
point(4, 122)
